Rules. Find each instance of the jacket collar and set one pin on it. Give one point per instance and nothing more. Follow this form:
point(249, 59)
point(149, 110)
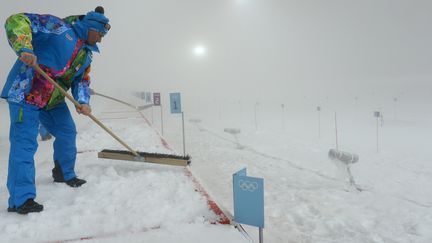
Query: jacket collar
point(93, 48)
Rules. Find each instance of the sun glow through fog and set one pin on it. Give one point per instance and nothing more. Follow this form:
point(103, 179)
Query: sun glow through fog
point(200, 50)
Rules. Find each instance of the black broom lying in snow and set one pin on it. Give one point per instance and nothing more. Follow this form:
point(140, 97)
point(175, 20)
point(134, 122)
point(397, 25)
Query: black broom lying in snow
point(130, 155)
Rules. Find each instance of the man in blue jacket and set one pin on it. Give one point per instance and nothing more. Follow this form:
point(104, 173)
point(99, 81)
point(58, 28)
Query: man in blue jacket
point(63, 49)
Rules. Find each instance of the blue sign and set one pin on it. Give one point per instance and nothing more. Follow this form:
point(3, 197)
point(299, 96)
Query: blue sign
point(175, 103)
point(248, 199)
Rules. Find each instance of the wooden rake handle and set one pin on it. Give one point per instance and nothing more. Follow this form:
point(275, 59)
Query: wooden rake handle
point(41, 72)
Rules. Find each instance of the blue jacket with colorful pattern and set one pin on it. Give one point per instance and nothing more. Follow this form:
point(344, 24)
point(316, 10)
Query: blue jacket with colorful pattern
point(62, 53)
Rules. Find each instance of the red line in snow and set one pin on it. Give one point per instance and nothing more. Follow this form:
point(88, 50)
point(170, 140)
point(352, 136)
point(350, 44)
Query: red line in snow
point(165, 144)
point(223, 219)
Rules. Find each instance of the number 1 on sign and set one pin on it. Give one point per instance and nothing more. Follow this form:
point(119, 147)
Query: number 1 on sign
point(175, 103)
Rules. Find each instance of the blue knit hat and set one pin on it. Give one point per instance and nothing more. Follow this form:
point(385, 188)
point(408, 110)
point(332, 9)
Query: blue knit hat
point(96, 20)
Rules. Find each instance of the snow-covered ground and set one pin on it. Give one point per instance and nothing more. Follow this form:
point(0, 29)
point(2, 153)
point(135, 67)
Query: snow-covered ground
point(122, 201)
point(308, 198)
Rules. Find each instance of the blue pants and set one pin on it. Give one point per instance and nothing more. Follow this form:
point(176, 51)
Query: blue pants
point(23, 145)
point(43, 132)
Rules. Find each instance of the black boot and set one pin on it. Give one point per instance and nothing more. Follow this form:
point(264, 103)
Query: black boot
point(57, 174)
point(30, 206)
point(75, 182)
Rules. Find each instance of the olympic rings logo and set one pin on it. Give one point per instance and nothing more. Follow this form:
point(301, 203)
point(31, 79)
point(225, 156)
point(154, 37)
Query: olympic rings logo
point(248, 185)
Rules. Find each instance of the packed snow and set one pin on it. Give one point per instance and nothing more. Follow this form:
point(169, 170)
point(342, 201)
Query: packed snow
point(308, 197)
point(122, 200)
point(262, 68)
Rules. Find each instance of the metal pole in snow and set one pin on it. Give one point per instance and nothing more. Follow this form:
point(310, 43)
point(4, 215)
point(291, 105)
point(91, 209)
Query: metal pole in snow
point(184, 145)
point(378, 115)
point(256, 123)
point(220, 112)
point(152, 114)
point(377, 133)
point(261, 235)
point(319, 121)
point(395, 100)
point(337, 146)
point(283, 116)
point(256, 126)
point(356, 106)
point(319, 124)
point(161, 111)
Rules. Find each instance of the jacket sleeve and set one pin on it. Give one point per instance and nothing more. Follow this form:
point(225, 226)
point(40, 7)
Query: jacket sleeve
point(81, 87)
point(19, 33)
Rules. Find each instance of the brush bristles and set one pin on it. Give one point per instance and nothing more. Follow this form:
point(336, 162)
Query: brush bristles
point(156, 155)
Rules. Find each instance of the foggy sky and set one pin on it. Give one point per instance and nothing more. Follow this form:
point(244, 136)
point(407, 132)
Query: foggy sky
point(256, 48)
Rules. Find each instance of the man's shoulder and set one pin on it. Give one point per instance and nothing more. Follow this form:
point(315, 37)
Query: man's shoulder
point(72, 19)
point(48, 23)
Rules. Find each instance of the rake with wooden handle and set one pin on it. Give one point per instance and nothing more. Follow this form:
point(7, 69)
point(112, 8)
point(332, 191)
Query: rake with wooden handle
point(131, 154)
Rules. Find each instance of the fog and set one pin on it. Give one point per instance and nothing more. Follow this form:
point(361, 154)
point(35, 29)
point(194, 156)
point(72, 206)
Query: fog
point(265, 66)
point(340, 55)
